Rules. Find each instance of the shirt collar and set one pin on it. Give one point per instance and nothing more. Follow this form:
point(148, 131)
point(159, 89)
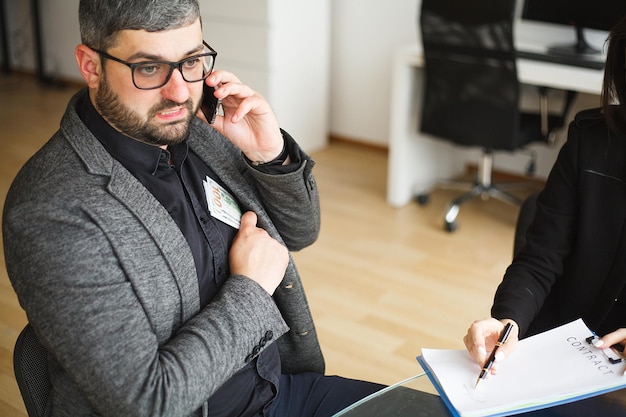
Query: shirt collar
point(130, 152)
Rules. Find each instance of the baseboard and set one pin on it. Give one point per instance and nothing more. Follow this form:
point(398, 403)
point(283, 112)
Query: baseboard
point(333, 138)
point(505, 176)
point(470, 168)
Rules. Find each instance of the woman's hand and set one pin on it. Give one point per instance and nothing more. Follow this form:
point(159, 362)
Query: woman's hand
point(482, 337)
point(618, 336)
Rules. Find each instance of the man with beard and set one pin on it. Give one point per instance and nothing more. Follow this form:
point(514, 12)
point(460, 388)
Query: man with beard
point(150, 251)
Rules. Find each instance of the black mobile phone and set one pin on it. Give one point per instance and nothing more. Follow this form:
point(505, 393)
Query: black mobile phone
point(210, 104)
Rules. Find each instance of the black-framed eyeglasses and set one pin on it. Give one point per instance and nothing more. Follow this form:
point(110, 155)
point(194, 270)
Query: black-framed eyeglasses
point(148, 75)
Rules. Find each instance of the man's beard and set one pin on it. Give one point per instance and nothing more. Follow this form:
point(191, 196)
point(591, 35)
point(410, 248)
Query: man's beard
point(131, 124)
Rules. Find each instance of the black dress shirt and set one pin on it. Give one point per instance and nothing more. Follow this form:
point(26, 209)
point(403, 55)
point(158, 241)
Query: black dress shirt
point(175, 177)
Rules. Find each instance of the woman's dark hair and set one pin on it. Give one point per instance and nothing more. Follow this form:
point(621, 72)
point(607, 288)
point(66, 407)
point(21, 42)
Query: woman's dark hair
point(614, 86)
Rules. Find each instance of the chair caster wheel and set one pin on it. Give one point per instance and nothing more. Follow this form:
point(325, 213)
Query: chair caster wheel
point(451, 226)
point(422, 199)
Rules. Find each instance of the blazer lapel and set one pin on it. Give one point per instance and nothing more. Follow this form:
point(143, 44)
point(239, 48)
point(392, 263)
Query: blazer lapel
point(141, 203)
point(165, 233)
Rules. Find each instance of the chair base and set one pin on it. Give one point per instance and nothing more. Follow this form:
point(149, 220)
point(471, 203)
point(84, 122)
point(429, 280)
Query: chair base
point(482, 187)
point(485, 192)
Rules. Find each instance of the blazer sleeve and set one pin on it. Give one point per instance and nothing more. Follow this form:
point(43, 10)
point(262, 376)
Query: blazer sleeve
point(291, 200)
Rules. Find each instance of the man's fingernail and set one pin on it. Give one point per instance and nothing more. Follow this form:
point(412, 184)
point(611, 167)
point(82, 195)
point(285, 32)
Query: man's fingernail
point(482, 351)
point(499, 356)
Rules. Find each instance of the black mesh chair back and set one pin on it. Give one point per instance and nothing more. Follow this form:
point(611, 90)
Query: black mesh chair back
point(30, 364)
point(471, 91)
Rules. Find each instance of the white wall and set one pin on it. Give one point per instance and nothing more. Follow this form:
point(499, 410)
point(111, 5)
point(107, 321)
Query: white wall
point(281, 48)
point(60, 34)
point(364, 35)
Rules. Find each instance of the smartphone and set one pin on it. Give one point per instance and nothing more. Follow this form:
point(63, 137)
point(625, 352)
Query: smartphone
point(210, 104)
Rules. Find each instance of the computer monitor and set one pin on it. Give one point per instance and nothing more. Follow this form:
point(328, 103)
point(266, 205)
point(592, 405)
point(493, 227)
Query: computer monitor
point(579, 14)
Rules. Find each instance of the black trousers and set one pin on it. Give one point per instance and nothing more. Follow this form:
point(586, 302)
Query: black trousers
point(314, 395)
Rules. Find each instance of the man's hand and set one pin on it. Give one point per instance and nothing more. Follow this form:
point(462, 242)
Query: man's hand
point(258, 256)
point(248, 121)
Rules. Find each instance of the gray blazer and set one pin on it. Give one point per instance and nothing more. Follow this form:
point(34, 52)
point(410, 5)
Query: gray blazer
point(108, 281)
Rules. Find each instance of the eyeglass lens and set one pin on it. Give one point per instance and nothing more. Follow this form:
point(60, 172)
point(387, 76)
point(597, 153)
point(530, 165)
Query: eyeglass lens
point(156, 74)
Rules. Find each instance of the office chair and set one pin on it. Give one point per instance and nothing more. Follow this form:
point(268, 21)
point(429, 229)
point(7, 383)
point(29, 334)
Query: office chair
point(30, 364)
point(471, 93)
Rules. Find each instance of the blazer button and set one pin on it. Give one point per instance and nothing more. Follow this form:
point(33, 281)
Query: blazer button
point(268, 336)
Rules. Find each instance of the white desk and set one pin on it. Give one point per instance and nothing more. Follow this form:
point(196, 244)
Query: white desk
point(416, 160)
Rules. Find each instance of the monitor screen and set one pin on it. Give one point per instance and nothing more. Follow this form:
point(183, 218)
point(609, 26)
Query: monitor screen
point(593, 14)
point(580, 14)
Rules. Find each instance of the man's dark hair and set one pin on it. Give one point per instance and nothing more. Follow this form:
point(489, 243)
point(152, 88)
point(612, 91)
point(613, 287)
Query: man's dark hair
point(101, 20)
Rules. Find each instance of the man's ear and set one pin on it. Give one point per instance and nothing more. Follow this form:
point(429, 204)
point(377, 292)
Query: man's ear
point(89, 65)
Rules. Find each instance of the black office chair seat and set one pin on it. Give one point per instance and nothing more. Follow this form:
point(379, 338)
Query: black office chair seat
point(530, 127)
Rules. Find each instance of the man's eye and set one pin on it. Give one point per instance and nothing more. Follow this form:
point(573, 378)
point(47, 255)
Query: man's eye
point(192, 62)
point(149, 69)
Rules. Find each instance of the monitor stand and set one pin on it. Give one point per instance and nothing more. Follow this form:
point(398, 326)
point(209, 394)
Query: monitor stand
point(580, 49)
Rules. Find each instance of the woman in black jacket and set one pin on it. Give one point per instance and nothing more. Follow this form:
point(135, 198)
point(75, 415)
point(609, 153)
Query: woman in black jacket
point(574, 262)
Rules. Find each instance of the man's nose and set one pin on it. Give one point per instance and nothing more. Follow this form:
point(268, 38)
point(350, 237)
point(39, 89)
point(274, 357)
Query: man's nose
point(176, 88)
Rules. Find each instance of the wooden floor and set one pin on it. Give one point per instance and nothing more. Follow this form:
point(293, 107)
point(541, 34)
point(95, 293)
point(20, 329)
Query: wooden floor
point(382, 282)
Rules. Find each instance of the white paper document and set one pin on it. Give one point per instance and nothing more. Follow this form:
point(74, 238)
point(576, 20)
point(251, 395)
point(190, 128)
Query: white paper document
point(551, 368)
